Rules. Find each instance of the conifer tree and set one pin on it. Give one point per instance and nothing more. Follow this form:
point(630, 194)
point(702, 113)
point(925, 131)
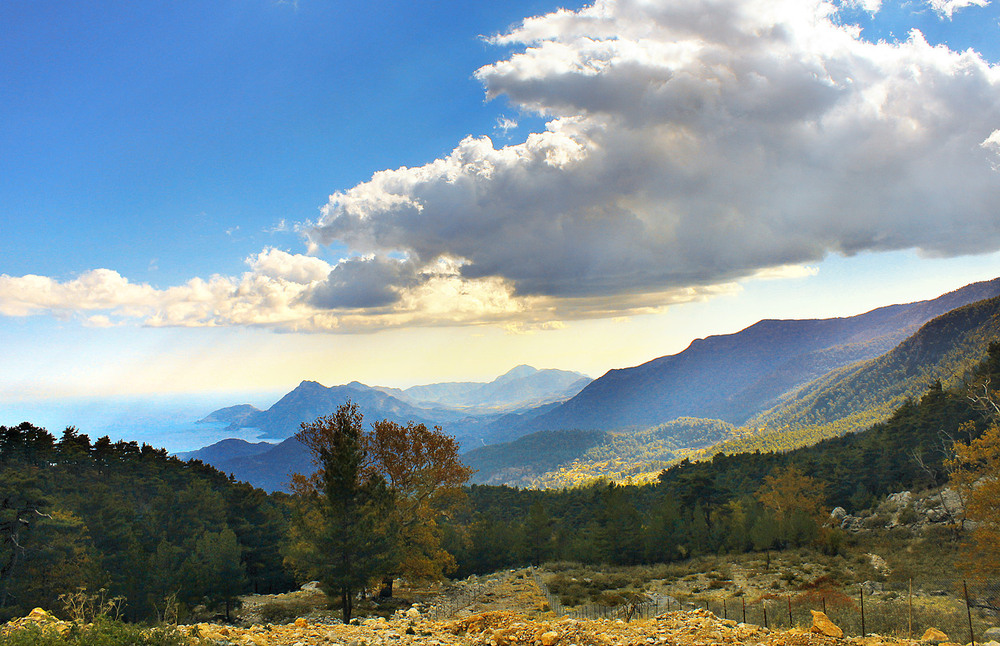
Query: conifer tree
point(215, 568)
point(344, 532)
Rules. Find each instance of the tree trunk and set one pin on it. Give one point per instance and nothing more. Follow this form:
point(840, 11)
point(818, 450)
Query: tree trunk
point(345, 600)
point(386, 591)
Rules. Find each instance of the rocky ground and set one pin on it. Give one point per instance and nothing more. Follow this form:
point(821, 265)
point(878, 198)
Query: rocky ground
point(507, 628)
point(504, 609)
point(504, 628)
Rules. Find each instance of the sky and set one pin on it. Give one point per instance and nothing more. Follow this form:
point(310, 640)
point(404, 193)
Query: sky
point(219, 200)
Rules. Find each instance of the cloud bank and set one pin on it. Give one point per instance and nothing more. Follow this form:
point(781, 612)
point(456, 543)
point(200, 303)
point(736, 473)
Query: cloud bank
point(689, 144)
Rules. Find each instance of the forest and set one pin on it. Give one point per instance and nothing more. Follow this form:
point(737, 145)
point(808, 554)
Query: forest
point(163, 533)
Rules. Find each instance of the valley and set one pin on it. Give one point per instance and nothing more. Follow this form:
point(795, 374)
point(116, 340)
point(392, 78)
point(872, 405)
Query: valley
point(776, 385)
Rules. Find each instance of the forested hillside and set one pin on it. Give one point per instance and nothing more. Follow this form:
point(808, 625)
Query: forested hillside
point(559, 459)
point(129, 518)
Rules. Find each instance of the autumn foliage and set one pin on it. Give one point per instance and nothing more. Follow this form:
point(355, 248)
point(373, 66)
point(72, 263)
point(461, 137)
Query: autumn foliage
point(974, 468)
point(421, 474)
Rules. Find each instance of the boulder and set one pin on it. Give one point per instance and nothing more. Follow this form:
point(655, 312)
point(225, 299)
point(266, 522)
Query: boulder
point(953, 501)
point(823, 626)
point(934, 636)
point(900, 499)
point(549, 638)
point(838, 513)
point(991, 635)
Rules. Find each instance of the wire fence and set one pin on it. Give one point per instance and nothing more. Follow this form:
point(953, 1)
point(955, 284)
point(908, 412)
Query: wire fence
point(963, 609)
point(461, 596)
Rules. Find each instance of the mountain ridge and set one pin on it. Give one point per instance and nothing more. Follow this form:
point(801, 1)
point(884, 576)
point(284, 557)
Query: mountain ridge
point(751, 368)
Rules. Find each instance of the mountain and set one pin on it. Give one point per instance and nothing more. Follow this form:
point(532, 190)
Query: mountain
point(476, 413)
point(559, 459)
point(310, 400)
point(943, 353)
point(270, 470)
point(226, 450)
point(521, 387)
point(235, 416)
point(945, 350)
point(468, 408)
point(736, 376)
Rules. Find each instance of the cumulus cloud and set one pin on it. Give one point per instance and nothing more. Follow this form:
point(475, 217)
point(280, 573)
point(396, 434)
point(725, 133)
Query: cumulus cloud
point(364, 283)
point(691, 143)
point(947, 8)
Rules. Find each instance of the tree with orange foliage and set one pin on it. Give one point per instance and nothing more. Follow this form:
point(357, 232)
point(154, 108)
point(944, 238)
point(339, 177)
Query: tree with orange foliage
point(974, 468)
point(797, 503)
point(422, 469)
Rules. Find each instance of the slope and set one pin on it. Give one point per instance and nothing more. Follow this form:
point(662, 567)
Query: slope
point(944, 350)
point(734, 377)
point(556, 459)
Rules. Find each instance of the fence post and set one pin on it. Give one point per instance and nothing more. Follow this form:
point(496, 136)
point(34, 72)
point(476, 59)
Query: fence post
point(763, 602)
point(824, 605)
point(862, 611)
point(744, 600)
point(789, 598)
point(968, 611)
point(725, 610)
point(909, 614)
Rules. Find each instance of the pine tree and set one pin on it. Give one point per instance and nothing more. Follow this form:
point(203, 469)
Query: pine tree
point(215, 568)
point(344, 533)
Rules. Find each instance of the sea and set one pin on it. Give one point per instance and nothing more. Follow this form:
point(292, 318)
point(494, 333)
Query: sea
point(162, 421)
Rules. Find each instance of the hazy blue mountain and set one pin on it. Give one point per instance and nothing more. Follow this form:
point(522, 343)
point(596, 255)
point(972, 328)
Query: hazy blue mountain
point(226, 450)
point(272, 469)
point(521, 387)
point(235, 416)
point(467, 407)
point(736, 376)
point(487, 413)
point(310, 400)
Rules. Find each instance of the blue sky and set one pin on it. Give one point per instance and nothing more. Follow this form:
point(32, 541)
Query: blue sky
point(192, 195)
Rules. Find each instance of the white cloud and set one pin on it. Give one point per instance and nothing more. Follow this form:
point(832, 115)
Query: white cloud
point(947, 8)
point(295, 268)
point(871, 6)
point(504, 126)
point(690, 144)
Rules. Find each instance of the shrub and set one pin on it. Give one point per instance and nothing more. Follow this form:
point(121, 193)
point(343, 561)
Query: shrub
point(104, 632)
point(285, 611)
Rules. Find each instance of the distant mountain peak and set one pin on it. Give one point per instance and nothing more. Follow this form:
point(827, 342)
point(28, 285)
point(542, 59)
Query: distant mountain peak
point(517, 372)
